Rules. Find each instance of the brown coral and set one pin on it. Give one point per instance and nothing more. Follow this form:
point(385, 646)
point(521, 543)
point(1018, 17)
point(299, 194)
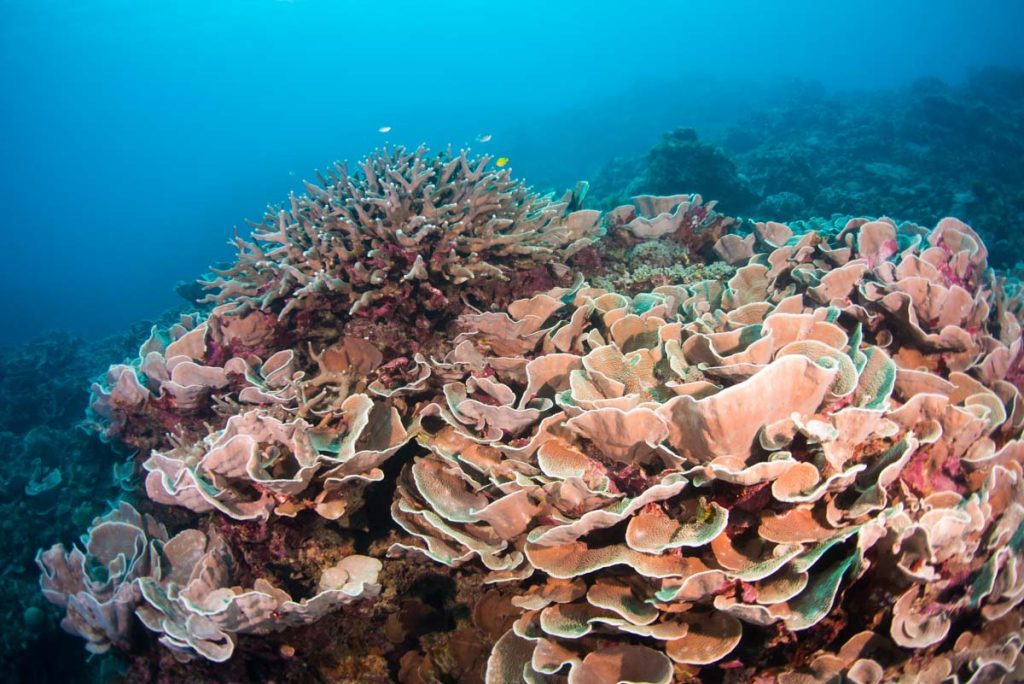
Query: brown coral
point(401, 236)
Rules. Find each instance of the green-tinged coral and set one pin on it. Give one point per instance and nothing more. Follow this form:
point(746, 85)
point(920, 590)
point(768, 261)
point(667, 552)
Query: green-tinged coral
point(665, 464)
point(797, 436)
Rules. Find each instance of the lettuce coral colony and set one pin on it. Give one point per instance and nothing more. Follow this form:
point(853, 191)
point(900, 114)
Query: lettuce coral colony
point(769, 453)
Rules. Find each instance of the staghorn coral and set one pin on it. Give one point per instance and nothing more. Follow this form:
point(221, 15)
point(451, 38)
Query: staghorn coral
point(402, 236)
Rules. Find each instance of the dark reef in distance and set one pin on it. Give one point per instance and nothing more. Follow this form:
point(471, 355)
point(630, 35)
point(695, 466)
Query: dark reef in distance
point(916, 154)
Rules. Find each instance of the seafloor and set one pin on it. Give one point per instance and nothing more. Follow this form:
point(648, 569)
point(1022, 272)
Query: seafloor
point(430, 426)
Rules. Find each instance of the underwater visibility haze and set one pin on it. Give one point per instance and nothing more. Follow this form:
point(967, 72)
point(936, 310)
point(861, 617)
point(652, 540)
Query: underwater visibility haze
point(512, 342)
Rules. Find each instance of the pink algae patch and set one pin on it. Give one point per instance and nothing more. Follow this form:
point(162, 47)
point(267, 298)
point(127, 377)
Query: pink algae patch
point(925, 477)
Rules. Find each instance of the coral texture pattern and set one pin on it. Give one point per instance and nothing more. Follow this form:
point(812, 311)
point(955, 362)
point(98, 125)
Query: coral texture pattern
point(801, 460)
point(399, 237)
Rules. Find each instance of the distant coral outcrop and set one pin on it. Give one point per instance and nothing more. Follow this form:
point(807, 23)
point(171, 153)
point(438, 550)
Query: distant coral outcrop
point(917, 154)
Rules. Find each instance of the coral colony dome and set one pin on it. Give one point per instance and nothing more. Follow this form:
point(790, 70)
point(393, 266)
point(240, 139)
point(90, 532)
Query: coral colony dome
point(433, 426)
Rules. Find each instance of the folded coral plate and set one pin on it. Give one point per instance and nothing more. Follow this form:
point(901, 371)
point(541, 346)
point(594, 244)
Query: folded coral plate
point(789, 454)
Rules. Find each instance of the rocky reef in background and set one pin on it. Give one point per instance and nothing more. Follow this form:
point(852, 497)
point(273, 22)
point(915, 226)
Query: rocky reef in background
point(433, 427)
point(919, 154)
point(64, 476)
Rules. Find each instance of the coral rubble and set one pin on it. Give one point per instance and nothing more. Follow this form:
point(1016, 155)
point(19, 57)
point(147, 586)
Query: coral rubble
point(799, 457)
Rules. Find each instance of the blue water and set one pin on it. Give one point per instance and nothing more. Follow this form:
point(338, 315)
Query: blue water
point(135, 135)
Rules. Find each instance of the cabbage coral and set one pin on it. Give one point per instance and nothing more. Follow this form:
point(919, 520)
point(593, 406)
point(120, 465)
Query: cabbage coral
point(97, 584)
point(695, 475)
point(804, 461)
point(179, 588)
point(197, 611)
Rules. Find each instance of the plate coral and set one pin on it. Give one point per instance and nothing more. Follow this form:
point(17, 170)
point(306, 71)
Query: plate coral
point(655, 444)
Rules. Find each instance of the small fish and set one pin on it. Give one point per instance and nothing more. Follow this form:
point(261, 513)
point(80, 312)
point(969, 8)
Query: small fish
point(501, 161)
point(384, 129)
point(291, 173)
point(484, 137)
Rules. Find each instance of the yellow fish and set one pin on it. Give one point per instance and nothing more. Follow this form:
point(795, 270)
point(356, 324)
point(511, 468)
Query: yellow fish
point(501, 161)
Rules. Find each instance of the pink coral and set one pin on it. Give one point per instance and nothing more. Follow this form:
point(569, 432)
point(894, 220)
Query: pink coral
point(741, 434)
point(399, 236)
point(820, 451)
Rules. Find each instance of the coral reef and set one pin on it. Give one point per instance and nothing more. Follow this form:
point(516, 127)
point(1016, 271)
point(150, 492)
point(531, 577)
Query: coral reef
point(59, 478)
point(681, 161)
point(179, 588)
point(96, 584)
point(697, 474)
point(770, 452)
point(654, 241)
point(918, 153)
point(403, 237)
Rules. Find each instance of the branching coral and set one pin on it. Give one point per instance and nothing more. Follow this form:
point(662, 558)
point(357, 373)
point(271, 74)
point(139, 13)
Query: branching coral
point(399, 237)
